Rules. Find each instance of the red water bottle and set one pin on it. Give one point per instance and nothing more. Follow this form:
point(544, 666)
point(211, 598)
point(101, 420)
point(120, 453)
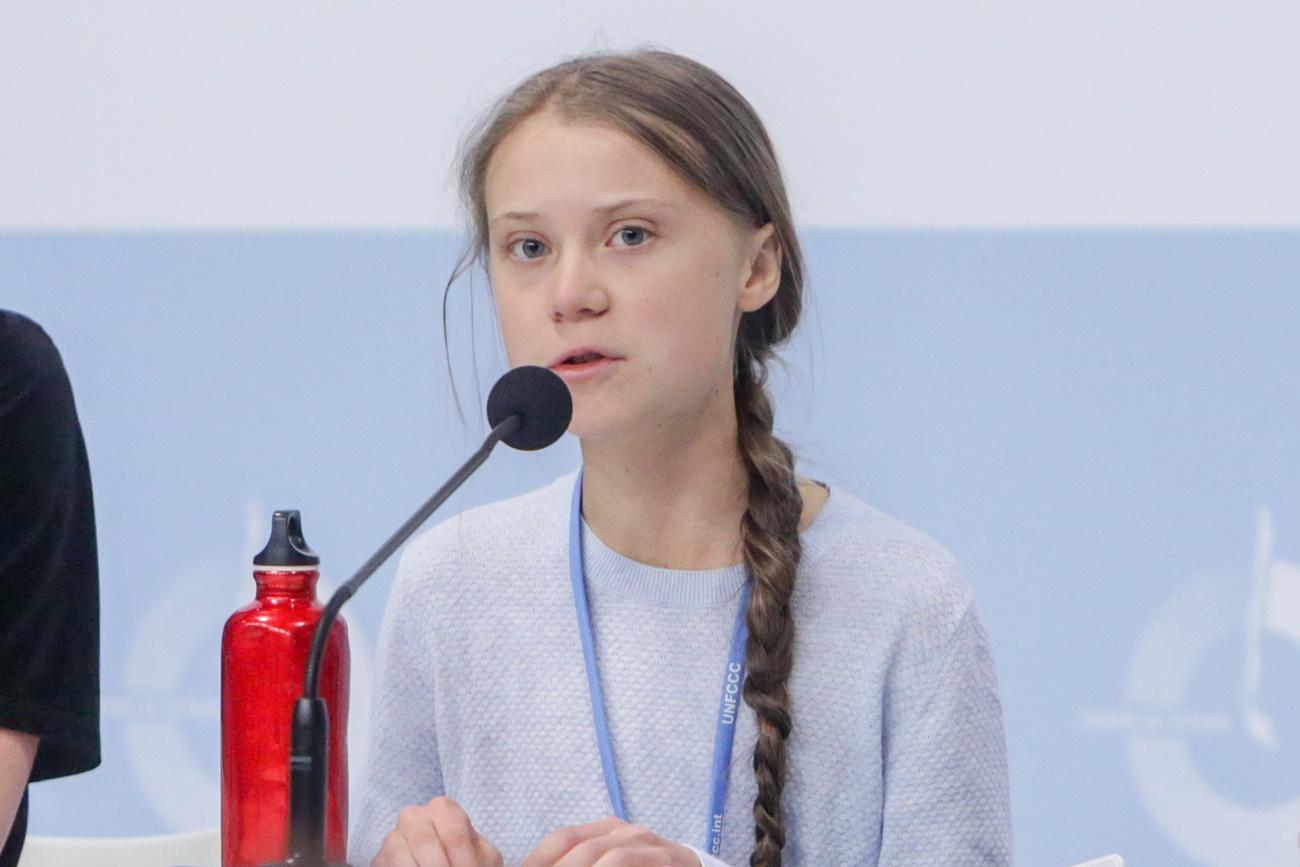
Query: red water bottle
point(264, 651)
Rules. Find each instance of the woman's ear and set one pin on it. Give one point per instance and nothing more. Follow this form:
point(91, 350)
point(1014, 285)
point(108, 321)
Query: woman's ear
point(764, 274)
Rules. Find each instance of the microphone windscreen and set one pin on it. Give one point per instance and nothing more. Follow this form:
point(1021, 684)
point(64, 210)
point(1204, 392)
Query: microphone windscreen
point(539, 396)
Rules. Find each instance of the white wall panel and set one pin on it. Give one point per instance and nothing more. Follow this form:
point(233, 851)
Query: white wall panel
point(244, 114)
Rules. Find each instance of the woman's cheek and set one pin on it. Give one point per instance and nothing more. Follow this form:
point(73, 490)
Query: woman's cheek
point(516, 337)
point(657, 316)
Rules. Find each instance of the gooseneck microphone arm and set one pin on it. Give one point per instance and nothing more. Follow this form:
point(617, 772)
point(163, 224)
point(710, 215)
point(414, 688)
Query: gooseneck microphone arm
point(311, 681)
point(309, 750)
point(529, 408)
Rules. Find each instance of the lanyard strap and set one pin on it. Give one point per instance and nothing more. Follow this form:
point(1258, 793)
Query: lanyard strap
point(732, 679)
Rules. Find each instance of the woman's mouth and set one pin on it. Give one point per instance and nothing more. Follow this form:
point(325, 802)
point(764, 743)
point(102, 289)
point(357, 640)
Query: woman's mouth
point(583, 367)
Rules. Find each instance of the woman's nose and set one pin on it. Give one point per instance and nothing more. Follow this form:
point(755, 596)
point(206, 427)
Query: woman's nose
point(577, 290)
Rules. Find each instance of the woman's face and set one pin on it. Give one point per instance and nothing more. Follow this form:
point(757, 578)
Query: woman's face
point(595, 241)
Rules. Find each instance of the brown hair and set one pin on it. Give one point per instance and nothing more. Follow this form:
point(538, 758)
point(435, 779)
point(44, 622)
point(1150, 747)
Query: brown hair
point(711, 136)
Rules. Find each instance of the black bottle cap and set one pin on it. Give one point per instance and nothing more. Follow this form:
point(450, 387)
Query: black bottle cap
point(287, 547)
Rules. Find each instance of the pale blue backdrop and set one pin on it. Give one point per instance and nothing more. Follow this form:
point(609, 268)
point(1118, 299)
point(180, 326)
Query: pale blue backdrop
point(1104, 427)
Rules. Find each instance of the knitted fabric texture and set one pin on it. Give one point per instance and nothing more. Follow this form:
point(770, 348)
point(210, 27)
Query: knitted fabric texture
point(896, 757)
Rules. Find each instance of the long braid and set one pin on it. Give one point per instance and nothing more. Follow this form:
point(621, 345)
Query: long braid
point(770, 537)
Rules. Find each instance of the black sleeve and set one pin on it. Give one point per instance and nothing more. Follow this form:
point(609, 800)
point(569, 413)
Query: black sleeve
point(49, 578)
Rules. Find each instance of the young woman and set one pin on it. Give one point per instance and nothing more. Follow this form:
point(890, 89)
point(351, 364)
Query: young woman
point(563, 674)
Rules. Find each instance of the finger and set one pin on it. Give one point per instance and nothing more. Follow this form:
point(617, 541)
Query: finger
point(456, 835)
point(636, 856)
point(591, 851)
point(426, 847)
point(394, 853)
point(555, 844)
point(488, 855)
point(415, 828)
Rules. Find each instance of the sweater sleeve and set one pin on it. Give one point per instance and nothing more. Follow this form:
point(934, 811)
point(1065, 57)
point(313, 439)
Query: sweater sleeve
point(403, 767)
point(946, 785)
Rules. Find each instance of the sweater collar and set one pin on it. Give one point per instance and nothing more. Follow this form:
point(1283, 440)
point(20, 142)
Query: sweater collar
point(611, 572)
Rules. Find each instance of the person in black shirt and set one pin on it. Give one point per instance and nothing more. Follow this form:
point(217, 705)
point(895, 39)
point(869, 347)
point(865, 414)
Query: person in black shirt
point(49, 579)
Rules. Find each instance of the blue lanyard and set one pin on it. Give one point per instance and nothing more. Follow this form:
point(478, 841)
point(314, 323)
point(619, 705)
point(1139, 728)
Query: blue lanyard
point(732, 679)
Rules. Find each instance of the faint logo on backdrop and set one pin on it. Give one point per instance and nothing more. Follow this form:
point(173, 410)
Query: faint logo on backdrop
point(170, 713)
point(1211, 728)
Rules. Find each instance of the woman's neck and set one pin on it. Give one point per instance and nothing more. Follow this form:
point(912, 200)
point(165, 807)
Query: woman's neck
point(669, 501)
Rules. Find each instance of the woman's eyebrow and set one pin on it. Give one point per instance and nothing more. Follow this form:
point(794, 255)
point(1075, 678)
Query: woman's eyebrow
point(602, 210)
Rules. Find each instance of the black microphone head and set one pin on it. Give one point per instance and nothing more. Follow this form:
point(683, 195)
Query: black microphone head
point(539, 397)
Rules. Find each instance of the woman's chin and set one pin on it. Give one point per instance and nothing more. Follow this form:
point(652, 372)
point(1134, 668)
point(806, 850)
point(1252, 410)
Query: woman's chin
point(594, 427)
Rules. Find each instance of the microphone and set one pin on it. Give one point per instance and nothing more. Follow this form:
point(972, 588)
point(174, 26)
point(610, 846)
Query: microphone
point(541, 400)
point(529, 408)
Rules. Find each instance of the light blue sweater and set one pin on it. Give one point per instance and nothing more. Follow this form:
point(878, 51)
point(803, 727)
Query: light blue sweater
point(896, 757)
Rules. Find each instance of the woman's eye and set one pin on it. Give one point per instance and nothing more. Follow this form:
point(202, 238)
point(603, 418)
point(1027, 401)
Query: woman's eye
point(531, 248)
point(635, 235)
point(529, 244)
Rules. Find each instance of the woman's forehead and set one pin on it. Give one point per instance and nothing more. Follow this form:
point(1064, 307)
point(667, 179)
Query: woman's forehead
point(546, 163)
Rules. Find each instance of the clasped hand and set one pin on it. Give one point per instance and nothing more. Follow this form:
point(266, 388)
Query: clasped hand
point(440, 834)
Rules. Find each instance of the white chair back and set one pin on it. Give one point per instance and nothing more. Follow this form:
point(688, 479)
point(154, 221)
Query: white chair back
point(188, 849)
point(1104, 861)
